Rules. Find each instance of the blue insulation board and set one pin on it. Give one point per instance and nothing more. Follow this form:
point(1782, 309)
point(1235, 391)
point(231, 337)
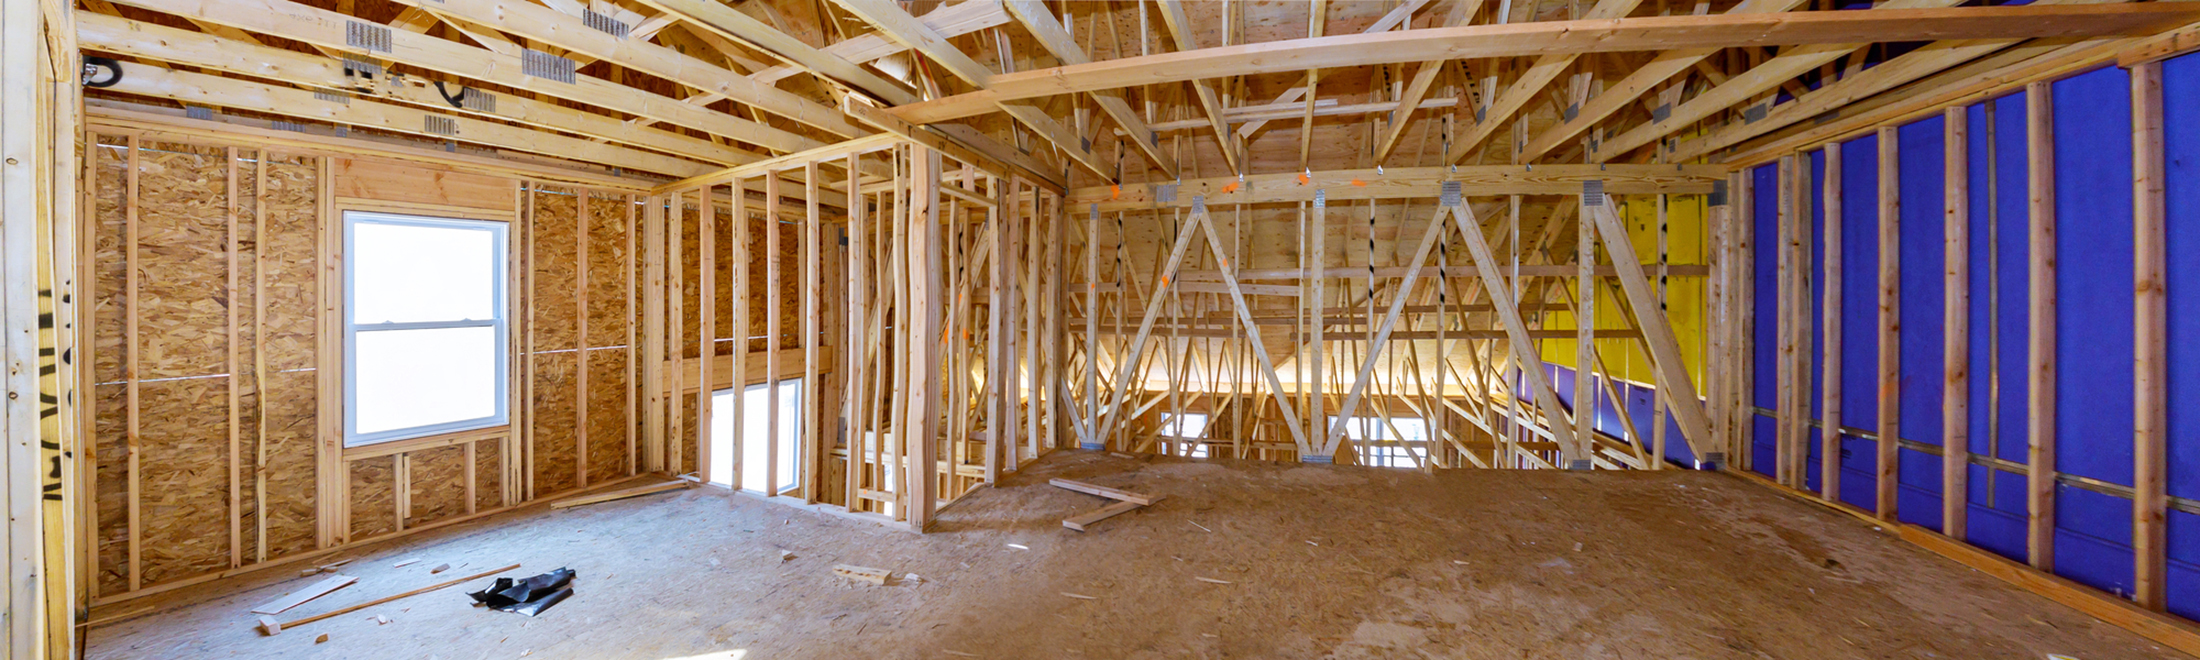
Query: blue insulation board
point(1859, 317)
point(1922, 175)
point(2093, 343)
point(2181, 119)
point(1765, 200)
point(1995, 499)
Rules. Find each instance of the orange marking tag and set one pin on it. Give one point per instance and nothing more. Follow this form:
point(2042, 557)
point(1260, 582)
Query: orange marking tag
point(1164, 281)
point(1232, 187)
point(1303, 179)
point(1115, 192)
point(1356, 183)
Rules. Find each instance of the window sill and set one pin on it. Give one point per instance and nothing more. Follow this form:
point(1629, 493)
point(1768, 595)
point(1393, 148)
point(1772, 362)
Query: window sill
point(392, 447)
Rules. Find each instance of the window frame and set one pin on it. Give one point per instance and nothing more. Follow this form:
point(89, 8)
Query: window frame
point(500, 254)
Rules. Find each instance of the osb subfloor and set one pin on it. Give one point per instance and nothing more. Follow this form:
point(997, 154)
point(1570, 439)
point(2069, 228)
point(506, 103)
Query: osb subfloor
point(1319, 562)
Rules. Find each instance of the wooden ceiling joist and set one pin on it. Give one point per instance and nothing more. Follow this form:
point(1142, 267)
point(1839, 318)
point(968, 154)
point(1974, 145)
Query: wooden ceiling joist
point(570, 33)
point(1637, 83)
point(218, 91)
point(298, 22)
point(1048, 30)
point(112, 34)
point(732, 24)
point(1180, 31)
point(900, 26)
point(1410, 183)
point(1758, 80)
point(1586, 36)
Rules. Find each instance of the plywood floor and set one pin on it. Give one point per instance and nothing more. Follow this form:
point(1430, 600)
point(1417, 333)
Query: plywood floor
point(1322, 562)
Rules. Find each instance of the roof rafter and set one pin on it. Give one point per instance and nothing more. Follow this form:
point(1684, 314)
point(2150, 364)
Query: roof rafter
point(1531, 82)
point(1040, 22)
point(1627, 34)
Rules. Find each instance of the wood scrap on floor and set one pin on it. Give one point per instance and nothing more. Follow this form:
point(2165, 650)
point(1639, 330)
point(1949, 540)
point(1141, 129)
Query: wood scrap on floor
point(1103, 513)
point(1103, 491)
point(1125, 502)
point(875, 576)
point(270, 627)
point(623, 493)
point(324, 568)
point(299, 597)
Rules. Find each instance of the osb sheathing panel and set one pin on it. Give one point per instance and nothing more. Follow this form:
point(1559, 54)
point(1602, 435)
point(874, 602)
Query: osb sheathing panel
point(688, 435)
point(110, 422)
point(555, 421)
point(383, 180)
point(438, 484)
point(608, 313)
point(290, 260)
point(112, 477)
point(183, 394)
point(607, 416)
point(759, 305)
point(723, 268)
point(555, 277)
point(182, 261)
point(183, 478)
point(488, 474)
point(373, 496)
point(291, 509)
point(691, 280)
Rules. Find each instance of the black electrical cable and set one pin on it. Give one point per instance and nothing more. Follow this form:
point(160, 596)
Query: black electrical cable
point(92, 63)
point(458, 101)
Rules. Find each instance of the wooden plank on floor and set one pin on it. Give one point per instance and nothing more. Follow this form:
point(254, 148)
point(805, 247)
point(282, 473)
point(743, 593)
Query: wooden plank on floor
point(1103, 513)
point(1104, 491)
point(299, 597)
point(623, 493)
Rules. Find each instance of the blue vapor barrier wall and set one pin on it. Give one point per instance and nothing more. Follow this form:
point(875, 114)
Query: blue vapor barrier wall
point(1920, 158)
point(2093, 345)
point(2093, 325)
point(1765, 181)
point(2181, 119)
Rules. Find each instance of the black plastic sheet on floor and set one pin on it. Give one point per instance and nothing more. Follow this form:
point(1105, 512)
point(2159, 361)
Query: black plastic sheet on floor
point(529, 596)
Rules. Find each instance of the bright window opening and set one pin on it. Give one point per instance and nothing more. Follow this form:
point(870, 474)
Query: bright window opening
point(1400, 442)
point(756, 444)
point(1187, 426)
point(424, 326)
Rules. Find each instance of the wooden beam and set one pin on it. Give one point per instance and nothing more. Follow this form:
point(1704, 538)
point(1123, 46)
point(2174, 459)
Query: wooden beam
point(321, 27)
point(1408, 183)
point(2150, 342)
point(210, 90)
point(1657, 331)
point(159, 42)
point(1180, 29)
point(1530, 83)
point(2039, 137)
point(1043, 26)
point(1750, 84)
point(1890, 322)
point(1525, 356)
point(1540, 38)
point(730, 23)
point(1831, 356)
point(1955, 337)
point(1619, 95)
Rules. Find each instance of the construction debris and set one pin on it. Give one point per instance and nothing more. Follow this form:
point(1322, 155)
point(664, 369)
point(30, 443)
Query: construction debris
point(405, 563)
point(529, 596)
point(1210, 580)
point(322, 639)
point(1125, 502)
point(269, 626)
point(439, 568)
point(875, 576)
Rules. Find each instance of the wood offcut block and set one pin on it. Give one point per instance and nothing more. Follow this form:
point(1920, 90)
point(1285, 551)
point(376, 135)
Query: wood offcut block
point(875, 576)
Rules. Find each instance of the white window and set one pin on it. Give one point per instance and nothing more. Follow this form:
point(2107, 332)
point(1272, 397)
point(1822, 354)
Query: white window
point(755, 442)
point(424, 326)
point(1184, 425)
point(1388, 442)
